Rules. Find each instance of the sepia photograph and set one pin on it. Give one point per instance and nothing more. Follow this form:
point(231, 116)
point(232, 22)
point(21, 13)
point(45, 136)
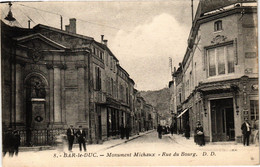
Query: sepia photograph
point(129, 83)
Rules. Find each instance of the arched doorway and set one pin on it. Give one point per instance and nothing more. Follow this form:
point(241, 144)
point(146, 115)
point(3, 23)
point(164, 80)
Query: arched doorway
point(36, 117)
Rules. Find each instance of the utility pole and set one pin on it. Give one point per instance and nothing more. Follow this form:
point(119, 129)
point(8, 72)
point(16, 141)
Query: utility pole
point(170, 64)
point(192, 11)
point(61, 22)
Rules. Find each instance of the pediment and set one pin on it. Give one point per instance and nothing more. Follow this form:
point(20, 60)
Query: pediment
point(38, 42)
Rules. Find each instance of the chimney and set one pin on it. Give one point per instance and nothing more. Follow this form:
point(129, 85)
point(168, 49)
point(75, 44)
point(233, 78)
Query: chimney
point(73, 25)
point(67, 28)
point(105, 42)
point(102, 38)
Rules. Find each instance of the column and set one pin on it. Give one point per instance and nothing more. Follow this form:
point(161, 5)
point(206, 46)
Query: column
point(18, 94)
point(81, 92)
point(50, 112)
point(57, 94)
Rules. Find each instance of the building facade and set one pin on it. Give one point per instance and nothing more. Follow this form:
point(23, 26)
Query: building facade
point(217, 81)
point(53, 78)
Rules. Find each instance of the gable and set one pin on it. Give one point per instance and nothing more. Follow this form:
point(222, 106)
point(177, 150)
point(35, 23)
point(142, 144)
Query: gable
point(38, 42)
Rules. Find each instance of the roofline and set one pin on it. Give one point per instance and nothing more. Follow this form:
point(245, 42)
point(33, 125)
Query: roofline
point(62, 31)
point(123, 70)
point(105, 48)
point(39, 34)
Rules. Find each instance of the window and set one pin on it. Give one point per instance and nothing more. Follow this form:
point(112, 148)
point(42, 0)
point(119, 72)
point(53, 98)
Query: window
point(102, 55)
point(221, 60)
point(111, 62)
point(112, 87)
point(98, 78)
point(218, 25)
point(254, 111)
point(126, 95)
point(107, 59)
point(94, 50)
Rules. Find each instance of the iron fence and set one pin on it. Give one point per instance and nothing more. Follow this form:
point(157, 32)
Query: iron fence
point(39, 137)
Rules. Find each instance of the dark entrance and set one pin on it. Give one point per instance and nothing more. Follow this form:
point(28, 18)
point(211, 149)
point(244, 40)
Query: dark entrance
point(222, 120)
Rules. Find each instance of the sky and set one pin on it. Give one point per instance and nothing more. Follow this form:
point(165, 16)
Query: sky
point(141, 34)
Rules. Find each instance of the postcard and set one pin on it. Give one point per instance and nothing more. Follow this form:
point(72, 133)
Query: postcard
point(129, 83)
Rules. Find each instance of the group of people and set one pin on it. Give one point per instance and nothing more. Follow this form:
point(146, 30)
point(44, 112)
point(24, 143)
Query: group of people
point(80, 134)
point(165, 130)
point(11, 142)
point(124, 131)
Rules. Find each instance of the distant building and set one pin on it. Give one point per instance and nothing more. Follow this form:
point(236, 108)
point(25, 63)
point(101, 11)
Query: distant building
point(217, 81)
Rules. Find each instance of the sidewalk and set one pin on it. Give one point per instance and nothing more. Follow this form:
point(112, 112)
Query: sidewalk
point(211, 146)
point(92, 147)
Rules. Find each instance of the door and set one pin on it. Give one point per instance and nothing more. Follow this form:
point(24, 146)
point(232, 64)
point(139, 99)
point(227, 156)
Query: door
point(222, 120)
point(230, 128)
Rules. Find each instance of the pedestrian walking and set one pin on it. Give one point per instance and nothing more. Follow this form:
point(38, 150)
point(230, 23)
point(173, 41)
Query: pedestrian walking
point(127, 131)
point(81, 134)
point(195, 132)
point(70, 137)
point(17, 142)
point(159, 130)
point(200, 135)
point(8, 143)
point(122, 131)
point(256, 132)
point(246, 131)
point(187, 130)
point(172, 128)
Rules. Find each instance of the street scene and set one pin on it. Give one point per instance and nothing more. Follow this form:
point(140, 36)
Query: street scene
point(120, 83)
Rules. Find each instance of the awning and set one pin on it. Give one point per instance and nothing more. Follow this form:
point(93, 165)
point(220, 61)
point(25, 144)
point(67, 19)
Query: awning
point(182, 112)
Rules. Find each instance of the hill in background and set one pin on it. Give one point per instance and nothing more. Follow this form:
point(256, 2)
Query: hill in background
point(160, 99)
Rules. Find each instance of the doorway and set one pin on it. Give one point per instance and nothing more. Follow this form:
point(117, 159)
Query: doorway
point(222, 120)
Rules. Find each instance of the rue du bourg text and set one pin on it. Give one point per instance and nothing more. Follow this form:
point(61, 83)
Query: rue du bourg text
point(135, 154)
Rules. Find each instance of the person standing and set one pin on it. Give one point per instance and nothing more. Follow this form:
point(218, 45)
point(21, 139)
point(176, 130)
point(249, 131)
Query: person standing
point(17, 142)
point(172, 128)
point(256, 134)
point(246, 131)
point(70, 136)
point(127, 131)
point(81, 134)
point(187, 130)
point(200, 135)
point(122, 131)
point(8, 143)
point(159, 130)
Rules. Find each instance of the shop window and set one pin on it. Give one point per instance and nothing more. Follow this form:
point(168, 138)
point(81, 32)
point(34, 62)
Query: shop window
point(254, 110)
point(221, 60)
point(218, 25)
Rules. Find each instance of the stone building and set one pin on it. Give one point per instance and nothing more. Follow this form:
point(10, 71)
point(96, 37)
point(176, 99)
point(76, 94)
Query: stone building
point(53, 78)
point(217, 81)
